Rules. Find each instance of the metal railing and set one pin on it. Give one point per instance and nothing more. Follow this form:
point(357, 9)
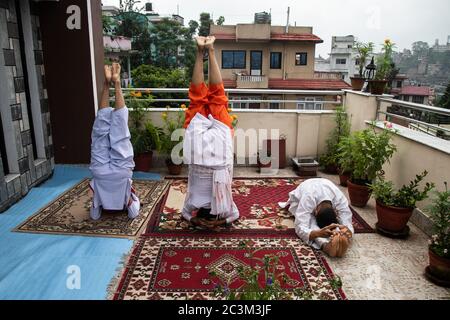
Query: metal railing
point(228, 91)
point(251, 78)
point(422, 108)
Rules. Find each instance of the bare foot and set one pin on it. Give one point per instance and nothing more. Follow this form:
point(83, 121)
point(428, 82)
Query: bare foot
point(200, 42)
point(209, 43)
point(115, 77)
point(108, 74)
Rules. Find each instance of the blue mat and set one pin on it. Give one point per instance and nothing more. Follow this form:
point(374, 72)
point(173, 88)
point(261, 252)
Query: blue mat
point(39, 266)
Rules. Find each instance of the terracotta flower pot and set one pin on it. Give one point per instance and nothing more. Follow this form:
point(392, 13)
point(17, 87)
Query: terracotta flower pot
point(359, 194)
point(392, 219)
point(377, 86)
point(143, 161)
point(439, 268)
point(357, 83)
point(344, 177)
point(174, 169)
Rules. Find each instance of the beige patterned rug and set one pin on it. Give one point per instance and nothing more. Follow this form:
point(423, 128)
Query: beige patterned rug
point(69, 214)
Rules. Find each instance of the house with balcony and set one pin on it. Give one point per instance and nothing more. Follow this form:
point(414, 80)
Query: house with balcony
point(266, 57)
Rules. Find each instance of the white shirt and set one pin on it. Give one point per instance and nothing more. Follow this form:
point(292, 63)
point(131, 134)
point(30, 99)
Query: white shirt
point(112, 164)
point(304, 200)
point(208, 149)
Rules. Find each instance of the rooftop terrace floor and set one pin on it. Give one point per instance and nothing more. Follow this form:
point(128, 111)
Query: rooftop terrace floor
point(33, 266)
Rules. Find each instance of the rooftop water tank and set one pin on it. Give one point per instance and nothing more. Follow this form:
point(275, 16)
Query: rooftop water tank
point(262, 17)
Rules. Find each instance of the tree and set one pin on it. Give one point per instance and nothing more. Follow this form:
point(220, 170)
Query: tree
point(205, 24)
point(220, 21)
point(420, 48)
point(444, 101)
point(134, 25)
point(167, 38)
point(193, 26)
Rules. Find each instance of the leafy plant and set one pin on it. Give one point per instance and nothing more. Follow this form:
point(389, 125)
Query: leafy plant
point(406, 196)
point(364, 153)
point(263, 280)
point(144, 135)
point(440, 215)
point(170, 125)
point(385, 63)
point(364, 51)
point(341, 130)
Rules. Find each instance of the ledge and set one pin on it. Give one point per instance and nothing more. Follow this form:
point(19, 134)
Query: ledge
point(422, 138)
point(368, 94)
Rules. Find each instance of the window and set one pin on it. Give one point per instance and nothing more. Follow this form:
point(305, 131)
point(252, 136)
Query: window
point(301, 59)
point(233, 59)
point(399, 84)
point(275, 60)
point(274, 105)
point(418, 99)
point(310, 103)
point(357, 62)
point(341, 61)
point(246, 103)
point(405, 98)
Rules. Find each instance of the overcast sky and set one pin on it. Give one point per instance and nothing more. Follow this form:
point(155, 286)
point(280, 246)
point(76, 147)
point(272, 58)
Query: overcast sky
point(402, 21)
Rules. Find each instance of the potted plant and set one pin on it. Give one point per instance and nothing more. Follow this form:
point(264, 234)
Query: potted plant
point(364, 51)
point(364, 154)
point(394, 208)
point(330, 160)
point(345, 164)
point(168, 142)
point(439, 250)
point(144, 136)
point(385, 66)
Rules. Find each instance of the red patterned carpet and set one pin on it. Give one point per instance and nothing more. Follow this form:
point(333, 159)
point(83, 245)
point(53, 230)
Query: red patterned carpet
point(257, 200)
point(168, 267)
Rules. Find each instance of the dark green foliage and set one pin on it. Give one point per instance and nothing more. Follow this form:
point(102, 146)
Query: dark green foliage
point(364, 153)
point(341, 130)
point(440, 215)
point(406, 196)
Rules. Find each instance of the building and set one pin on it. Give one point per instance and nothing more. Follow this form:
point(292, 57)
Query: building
point(416, 94)
point(441, 48)
point(262, 56)
point(343, 59)
point(47, 103)
point(398, 83)
point(110, 11)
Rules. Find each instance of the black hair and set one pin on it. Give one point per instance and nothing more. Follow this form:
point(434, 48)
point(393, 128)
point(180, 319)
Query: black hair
point(205, 213)
point(325, 217)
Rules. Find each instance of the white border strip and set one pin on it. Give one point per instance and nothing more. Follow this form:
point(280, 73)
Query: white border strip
point(92, 51)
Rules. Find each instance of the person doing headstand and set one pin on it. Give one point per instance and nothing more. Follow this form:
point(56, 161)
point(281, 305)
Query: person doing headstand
point(208, 147)
point(112, 154)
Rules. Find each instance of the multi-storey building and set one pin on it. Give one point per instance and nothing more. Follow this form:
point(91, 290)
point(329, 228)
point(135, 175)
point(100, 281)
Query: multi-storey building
point(262, 56)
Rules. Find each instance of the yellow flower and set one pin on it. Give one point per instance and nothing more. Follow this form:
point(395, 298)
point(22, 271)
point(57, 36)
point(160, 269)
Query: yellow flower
point(138, 94)
point(164, 115)
point(148, 91)
point(387, 41)
point(132, 93)
point(183, 106)
point(234, 117)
